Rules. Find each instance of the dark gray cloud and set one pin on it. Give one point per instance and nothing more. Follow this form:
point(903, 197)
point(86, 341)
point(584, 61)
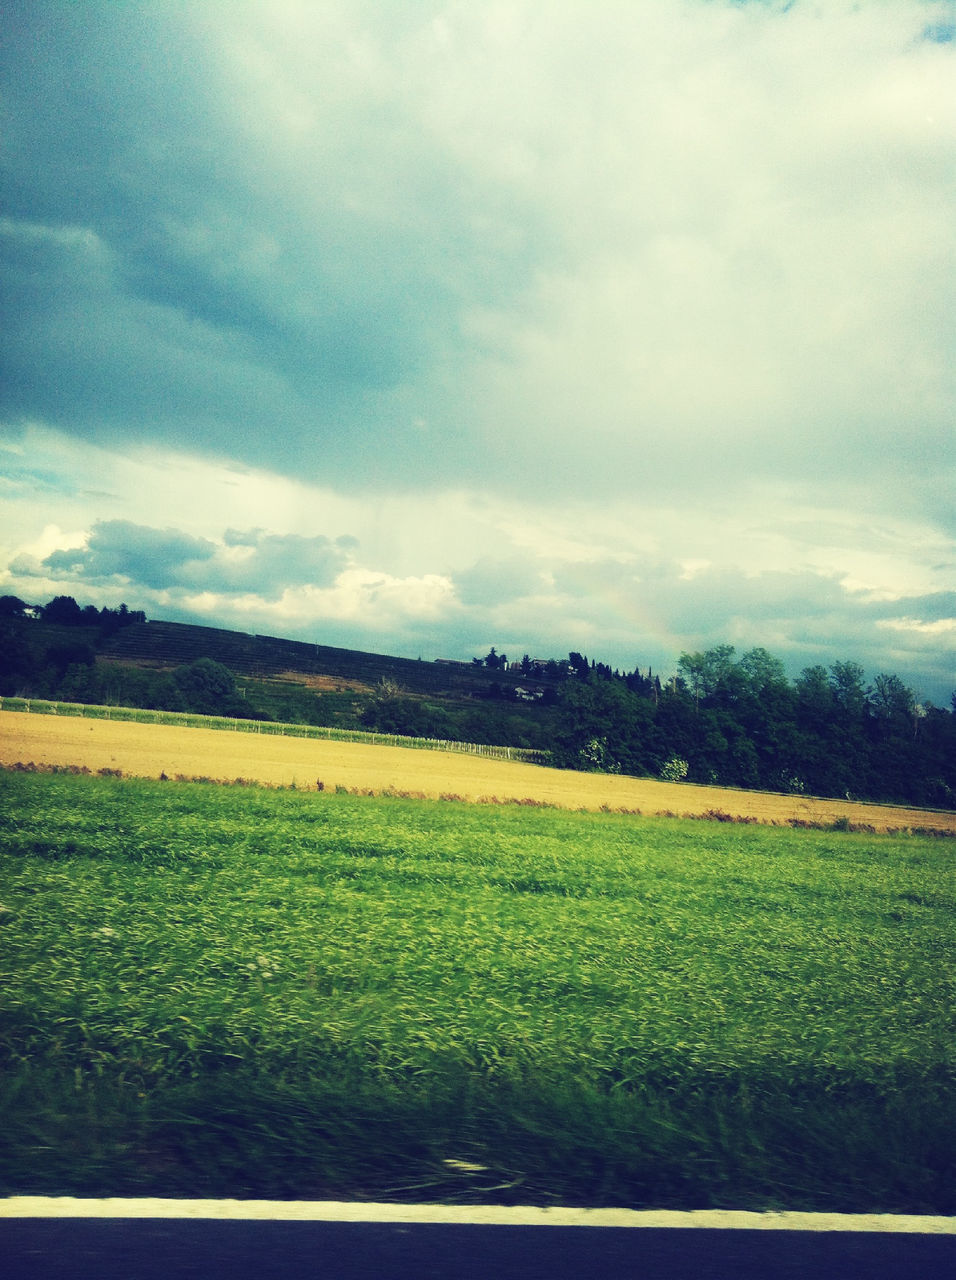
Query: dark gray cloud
point(119, 549)
point(162, 559)
point(486, 272)
point(940, 32)
point(312, 238)
point(171, 275)
point(275, 562)
point(489, 581)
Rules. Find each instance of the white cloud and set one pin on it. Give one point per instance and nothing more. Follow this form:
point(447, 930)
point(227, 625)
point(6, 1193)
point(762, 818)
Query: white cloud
point(941, 627)
point(627, 583)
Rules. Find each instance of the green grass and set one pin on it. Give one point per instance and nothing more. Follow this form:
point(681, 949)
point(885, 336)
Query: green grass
point(234, 991)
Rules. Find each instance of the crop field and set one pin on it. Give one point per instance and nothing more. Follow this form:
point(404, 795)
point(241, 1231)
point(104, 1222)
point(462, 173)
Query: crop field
point(259, 728)
point(149, 750)
point(211, 990)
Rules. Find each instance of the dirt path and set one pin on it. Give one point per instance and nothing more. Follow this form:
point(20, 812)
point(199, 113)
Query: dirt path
point(146, 750)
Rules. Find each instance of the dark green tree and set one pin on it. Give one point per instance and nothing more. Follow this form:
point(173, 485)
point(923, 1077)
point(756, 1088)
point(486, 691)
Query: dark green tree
point(209, 688)
point(712, 677)
point(892, 702)
point(63, 611)
point(19, 664)
point(579, 665)
point(12, 607)
point(604, 726)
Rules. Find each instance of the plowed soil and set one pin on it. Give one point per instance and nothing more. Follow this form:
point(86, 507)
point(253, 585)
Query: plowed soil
point(145, 750)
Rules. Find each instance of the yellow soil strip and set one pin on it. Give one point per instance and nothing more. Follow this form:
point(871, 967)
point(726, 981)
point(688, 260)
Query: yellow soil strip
point(147, 750)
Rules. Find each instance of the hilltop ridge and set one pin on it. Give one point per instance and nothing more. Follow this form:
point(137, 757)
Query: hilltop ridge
point(162, 645)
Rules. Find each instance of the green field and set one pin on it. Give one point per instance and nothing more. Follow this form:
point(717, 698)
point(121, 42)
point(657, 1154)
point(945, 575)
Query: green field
point(233, 991)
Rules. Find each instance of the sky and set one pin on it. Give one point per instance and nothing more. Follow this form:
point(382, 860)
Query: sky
point(619, 326)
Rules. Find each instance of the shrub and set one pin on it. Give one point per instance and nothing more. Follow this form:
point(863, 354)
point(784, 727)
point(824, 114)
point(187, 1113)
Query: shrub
point(674, 770)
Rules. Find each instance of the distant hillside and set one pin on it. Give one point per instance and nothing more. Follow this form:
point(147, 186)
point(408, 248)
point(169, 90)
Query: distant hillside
point(160, 665)
point(723, 719)
point(166, 645)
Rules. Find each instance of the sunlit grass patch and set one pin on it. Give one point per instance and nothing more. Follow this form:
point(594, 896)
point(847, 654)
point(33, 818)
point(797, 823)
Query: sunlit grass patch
point(253, 992)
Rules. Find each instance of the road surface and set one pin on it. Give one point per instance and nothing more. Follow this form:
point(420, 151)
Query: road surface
point(122, 1241)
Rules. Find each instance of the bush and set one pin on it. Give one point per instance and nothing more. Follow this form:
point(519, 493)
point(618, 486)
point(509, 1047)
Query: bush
point(207, 687)
point(674, 770)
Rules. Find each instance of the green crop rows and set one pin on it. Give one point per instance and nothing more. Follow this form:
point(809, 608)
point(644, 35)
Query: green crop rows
point(209, 990)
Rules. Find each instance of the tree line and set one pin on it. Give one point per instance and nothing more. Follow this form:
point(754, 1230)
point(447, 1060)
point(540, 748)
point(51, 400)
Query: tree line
point(63, 611)
point(739, 721)
point(65, 667)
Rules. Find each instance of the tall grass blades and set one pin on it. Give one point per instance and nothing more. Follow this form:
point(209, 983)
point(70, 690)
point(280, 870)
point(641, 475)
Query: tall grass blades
point(235, 991)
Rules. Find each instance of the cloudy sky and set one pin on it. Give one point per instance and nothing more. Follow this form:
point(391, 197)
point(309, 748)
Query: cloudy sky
point(624, 326)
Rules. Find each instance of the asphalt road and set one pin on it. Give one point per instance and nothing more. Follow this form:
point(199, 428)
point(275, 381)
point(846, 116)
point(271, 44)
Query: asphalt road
point(160, 1249)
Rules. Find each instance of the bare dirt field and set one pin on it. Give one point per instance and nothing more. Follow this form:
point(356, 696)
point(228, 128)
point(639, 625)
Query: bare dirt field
point(146, 750)
point(323, 684)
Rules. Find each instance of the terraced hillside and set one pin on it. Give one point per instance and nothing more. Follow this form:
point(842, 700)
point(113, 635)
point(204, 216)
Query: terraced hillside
point(171, 644)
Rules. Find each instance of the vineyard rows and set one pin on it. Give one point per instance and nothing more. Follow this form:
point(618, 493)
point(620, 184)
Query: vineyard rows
point(169, 644)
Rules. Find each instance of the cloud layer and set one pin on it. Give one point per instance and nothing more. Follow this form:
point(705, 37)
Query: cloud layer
point(627, 325)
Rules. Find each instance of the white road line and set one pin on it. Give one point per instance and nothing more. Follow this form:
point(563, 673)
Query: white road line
point(481, 1215)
